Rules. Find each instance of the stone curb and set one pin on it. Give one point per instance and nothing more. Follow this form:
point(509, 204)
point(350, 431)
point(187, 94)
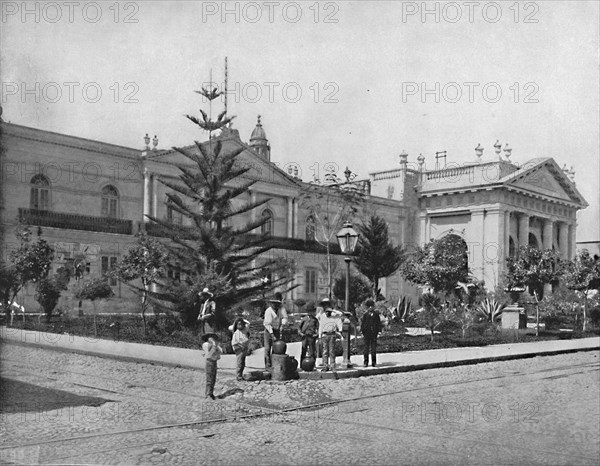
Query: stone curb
point(390, 362)
point(587, 344)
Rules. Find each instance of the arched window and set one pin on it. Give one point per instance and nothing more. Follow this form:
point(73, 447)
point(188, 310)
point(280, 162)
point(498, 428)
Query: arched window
point(311, 229)
point(40, 193)
point(110, 202)
point(267, 227)
point(173, 216)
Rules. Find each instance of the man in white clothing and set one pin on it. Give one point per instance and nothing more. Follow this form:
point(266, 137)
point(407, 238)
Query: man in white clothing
point(275, 317)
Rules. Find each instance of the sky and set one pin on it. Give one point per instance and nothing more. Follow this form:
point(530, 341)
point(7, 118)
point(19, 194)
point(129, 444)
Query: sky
point(339, 83)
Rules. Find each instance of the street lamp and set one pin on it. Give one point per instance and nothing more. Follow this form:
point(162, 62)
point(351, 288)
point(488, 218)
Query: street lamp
point(347, 239)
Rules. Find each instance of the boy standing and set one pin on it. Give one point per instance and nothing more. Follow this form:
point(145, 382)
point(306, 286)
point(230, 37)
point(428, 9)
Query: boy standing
point(239, 343)
point(309, 328)
point(212, 353)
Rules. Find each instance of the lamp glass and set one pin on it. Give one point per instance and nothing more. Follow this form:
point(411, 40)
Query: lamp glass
point(347, 239)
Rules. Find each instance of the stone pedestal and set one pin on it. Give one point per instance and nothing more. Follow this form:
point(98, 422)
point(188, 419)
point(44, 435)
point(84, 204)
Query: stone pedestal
point(278, 366)
point(511, 319)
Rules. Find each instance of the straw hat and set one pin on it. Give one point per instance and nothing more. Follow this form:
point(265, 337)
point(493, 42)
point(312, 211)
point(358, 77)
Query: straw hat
point(206, 292)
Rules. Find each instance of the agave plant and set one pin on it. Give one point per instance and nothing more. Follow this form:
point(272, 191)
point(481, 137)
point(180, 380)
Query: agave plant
point(489, 309)
point(402, 310)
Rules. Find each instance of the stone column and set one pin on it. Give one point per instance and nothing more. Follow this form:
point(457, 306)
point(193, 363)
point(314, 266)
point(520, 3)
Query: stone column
point(506, 245)
point(154, 196)
point(523, 230)
point(563, 240)
point(572, 240)
point(423, 227)
point(290, 217)
point(295, 224)
point(146, 210)
point(547, 233)
point(476, 244)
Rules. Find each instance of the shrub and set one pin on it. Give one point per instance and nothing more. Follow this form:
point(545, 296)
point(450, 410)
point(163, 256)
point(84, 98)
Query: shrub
point(489, 309)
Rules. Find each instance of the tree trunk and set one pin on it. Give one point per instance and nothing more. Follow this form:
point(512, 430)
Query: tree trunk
point(585, 304)
point(537, 314)
point(375, 288)
point(144, 297)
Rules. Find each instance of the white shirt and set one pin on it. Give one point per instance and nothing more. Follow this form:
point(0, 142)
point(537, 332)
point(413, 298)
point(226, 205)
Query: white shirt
point(274, 320)
point(239, 338)
point(330, 324)
point(212, 352)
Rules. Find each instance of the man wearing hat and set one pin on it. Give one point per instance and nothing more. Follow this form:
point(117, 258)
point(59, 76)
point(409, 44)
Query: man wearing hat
point(275, 317)
point(330, 327)
point(207, 311)
point(212, 353)
point(309, 328)
point(370, 327)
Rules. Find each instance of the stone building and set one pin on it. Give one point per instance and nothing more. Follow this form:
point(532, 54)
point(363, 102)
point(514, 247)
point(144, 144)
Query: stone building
point(90, 198)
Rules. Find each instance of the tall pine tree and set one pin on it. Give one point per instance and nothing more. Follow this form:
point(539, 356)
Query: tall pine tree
point(377, 257)
point(220, 250)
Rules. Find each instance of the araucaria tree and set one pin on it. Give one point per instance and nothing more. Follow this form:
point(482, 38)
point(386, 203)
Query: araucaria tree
point(219, 249)
point(533, 269)
point(377, 257)
point(144, 262)
point(582, 274)
point(329, 206)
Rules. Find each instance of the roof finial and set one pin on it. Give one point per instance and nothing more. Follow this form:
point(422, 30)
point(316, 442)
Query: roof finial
point(479, 152)
point(507, 151)
point(258, 122)
point(498, 148)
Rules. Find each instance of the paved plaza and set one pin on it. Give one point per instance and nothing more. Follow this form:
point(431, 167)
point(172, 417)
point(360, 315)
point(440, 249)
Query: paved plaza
point(64, 408)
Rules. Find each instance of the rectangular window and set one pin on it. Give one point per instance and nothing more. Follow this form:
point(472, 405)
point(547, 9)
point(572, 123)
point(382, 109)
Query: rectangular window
point(109, 207)
point(44, 199)
point(310, 281)
point(108, 263)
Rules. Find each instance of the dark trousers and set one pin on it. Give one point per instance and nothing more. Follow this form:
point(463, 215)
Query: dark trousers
point(269, 339)
point(240, 356)
point(328, 350)
point(370, 342)
point(308, 344)
point(211, 377)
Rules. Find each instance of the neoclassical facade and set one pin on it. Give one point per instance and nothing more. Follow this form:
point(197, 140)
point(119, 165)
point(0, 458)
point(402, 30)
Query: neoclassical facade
point(89, 199)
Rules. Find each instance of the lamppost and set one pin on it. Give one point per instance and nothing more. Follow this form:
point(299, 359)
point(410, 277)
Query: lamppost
point(347, 239)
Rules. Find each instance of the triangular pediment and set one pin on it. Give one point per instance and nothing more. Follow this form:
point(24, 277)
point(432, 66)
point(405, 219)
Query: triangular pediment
point(260, 169)
point(544, 177)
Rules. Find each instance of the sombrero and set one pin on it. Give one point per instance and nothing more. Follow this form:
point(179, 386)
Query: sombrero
point(205, 291)
point(206, 336)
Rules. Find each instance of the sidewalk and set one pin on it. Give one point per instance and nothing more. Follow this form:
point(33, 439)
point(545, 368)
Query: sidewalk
point(386, 362)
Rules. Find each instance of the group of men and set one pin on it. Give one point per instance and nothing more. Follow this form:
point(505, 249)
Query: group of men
point(322, 323)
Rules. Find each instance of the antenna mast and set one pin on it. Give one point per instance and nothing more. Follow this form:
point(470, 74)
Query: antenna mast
point(225, 90)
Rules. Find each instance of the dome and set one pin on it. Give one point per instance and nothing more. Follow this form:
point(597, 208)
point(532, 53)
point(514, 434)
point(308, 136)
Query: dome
point(258, 133)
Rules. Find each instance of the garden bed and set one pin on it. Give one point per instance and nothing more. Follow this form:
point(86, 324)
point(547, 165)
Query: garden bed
point(167, 330)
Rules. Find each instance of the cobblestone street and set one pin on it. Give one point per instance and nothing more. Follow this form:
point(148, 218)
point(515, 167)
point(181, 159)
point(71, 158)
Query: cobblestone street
point(63, 408)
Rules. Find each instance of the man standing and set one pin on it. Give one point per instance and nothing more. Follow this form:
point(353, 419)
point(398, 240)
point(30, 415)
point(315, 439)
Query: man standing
point(207, 311)
point(330, 326)
point(370, 327)
point(309, 327)
point(275, 317)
